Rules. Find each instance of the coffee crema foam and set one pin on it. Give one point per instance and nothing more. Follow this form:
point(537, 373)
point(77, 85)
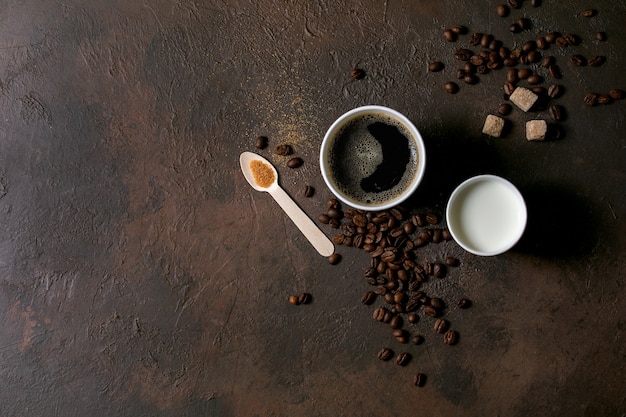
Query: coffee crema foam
point(355, 154)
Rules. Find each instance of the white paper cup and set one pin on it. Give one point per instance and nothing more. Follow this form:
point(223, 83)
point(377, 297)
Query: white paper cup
point(486, 215)
point(373, 167)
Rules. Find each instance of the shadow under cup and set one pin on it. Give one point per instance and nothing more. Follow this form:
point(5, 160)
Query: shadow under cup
point(372, 158)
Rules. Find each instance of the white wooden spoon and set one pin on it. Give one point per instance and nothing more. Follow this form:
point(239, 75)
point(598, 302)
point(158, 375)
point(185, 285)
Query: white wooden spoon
point(317, 238)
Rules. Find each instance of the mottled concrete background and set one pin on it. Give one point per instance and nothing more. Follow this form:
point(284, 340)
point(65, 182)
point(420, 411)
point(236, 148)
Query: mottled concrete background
point(140, 275)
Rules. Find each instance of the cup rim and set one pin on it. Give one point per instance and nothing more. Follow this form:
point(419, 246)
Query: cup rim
point(421, 150)
point(515, 237)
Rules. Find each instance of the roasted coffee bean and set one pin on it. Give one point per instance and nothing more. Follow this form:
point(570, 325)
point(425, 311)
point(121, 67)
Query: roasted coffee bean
point(502, 10)
point(440, 325)
point(470, 79)
point(305, 298)
point(334, 259)
point(477, 60)
point(571, 39)
point(463, 54)
point(547, 61)
point(309, 191)
point(379, 313)
point(293, 299)
point(334, 223)
point(469, 68)
point(596, 60)
point(524, 73)
point(437, 303)
point(459, 29)
point(403, 359)
point(333, 203)
point(419, 379)
point(601, 36)
point(463, 303)
point(357, 73)
point(451, 337)
point(432, 218)
point(578, 60)
point(449, 35)
point(504, 109)
point(430, 311)
point(551, 37)
point(460, 74)
point(509, 88)
point(334, 213)
point(555, 91)
point(261, 142)
point(515, 28)
point(284, 149)
point(295, 162)
point(485, 40)
point(591, 99)
point(542, 43)
point(540, 91)
point(439, 270)
point(451, 87)
point(482, 69)
point(511, 75)
point(535, 79)
point(524, 23)
point(588, 13)
point(555, 71)
point(435, 66)
point(396, 322)
point(510, 62)
point(385, 354)
point(412, 318)
point(323, 218)
point(556, 112)
point(475, 38)
point(535, 3)
point(452, 261)
point(516, 4)
point(529, 46)
point(616, 94)
point(368, 298)
point(604, 99)
point(494, 65)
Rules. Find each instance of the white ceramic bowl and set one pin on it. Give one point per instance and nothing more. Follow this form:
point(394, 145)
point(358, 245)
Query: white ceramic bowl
point(486, 215)
point(418, 158)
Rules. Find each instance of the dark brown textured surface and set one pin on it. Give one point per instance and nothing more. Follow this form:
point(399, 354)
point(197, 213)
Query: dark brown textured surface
point(141, 275)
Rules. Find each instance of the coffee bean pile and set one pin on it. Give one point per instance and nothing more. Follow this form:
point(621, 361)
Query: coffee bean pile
point(396, 275)
point(529, 63)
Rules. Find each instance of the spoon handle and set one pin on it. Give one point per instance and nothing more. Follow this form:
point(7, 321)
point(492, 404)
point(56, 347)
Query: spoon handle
point(318, 239)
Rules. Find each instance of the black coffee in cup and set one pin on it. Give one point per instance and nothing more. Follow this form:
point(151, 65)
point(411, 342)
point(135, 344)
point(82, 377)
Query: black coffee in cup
point(373, 158)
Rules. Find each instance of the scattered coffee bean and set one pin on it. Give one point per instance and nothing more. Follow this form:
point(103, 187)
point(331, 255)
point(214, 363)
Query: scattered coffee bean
point(413, 318)
point(547, 61)
point(555, 71)
point(475, 38)
point(591, 99)
point(588, 13)
point(357, 73)
point(524, 73)
point(452, 261)
point(542, 43)
point(604, 99)
point(463, 54)
point(516, 4)
point(430, 311)
point(334, 259)
point(534, 79)
point(470, 79)
point(515, 28)
point(596, 60)
point(616, 94)
point(459, 29)
point(601, 36)
point(396, 323)
point(305, 298)
point(524, 23)
point(261, 142)
point(451, 87)
point(439, 270)
point(551, 37)
point(403, 359)
point(579, 60)
point(417, 339)
point(435, 66)
point(295, 162)
point(293, 299)
point(535, 3)
point(368, 298)
point(509, 88)
point(440, 325)
point(385, 354)
point(463, 303)
point(309, 191)
point(449, 35)
point(451, 337)
point(556, 112)
point(571, 39)
point(419, 379)
point(555, 91)
point(505, 109)
point(284, 150)
point(502, 10)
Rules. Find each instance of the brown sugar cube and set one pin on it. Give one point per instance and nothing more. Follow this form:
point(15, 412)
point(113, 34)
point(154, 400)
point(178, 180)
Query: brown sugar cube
point(523, 98)
point(493, 126)
point(536, 129)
